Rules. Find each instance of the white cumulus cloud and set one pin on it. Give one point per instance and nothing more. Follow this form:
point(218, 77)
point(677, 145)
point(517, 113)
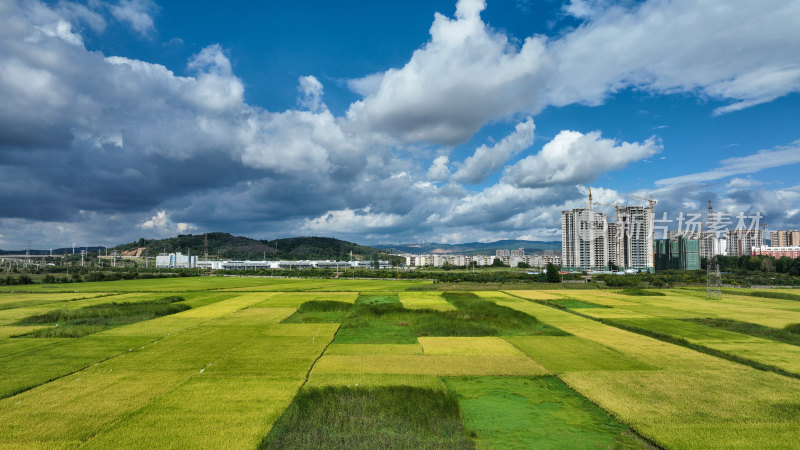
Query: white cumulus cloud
point(466, 75)
point(487, 160)
point(136, 13)
point(573, 157)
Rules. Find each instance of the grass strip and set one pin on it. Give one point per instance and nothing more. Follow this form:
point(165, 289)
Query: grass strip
point(574, 303)
point(678, 341)
point(789, 334)
point(777, 295)
point(73, 323)
point(369, 418)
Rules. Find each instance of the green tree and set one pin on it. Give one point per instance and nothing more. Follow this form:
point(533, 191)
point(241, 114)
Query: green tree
point(552, 273)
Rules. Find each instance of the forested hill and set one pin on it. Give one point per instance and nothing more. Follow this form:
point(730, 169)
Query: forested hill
point(227, 246)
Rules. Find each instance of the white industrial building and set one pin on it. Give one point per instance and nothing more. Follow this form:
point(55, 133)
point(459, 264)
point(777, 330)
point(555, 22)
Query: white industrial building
point(303, 264)
point(438, 260)
point(180, 261)
point(176, 261)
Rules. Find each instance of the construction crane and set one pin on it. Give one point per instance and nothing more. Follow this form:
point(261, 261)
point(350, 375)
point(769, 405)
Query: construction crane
point(652, 202)
point(649, 200)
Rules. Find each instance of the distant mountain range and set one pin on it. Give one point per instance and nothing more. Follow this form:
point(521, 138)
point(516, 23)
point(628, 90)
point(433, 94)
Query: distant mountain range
point(228, 246)
point(471, 248)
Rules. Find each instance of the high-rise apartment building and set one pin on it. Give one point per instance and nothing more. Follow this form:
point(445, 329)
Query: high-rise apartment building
point(741, 242)
point(584, 237)
point(613, 240)
point(793, 238)
point(636, 238)
point(777, 238)
point(784, 238)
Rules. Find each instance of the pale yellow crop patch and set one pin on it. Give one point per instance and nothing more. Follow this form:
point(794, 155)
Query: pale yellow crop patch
point(425, 300)
point(482, 346)
point(374, 349)
point(368, 380)
point(442, 365)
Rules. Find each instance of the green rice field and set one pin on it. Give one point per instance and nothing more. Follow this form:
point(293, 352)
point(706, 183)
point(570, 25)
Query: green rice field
point(236, 362)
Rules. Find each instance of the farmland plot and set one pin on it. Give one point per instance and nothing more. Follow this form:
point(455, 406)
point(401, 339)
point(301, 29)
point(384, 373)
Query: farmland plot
point(275, 363)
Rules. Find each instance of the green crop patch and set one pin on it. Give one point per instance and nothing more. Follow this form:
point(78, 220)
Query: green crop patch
point(569, 353)
point(683, 329)
point(572, 303)
point(785, 335)
point(369, 418)
point(384, 321)
point(539, 412)
point(377, 299)
point(320, 311)
point(642, 292)
point(72, 323)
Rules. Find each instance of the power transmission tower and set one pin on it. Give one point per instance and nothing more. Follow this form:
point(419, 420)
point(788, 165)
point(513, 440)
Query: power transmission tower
point(714, 279)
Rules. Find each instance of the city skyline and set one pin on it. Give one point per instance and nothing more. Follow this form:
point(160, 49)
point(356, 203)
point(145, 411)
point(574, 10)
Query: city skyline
point(440, 121)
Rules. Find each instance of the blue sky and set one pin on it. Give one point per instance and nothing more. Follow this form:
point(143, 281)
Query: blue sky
point(448, 121)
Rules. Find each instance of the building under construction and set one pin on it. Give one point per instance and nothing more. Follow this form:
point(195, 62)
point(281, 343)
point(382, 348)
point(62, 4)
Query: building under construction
point(677, 253)
point(589, 242)
point(584, 240)
point(636, 238)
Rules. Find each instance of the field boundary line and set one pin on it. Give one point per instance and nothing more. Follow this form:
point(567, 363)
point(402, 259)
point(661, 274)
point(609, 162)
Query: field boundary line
point(676, 341)
point(321, 354)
